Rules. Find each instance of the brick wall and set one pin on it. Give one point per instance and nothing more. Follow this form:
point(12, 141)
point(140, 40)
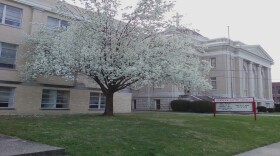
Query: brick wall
point(27, 101)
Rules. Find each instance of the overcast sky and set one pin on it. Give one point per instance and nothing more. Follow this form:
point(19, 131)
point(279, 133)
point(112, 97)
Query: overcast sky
point(251, 22)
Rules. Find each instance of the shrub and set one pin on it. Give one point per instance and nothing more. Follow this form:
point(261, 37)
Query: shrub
point(188, 106)
point(261, 109)
point(277, 109)
point(277, 105)
point(270, 110)
point(202, 106)
point(180, 105)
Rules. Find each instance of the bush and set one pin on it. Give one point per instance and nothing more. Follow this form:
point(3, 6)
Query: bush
point(188, 106)
point(270, 110)
point(262, 109)
point(202, 106)
point(180, 105)
point(277, 109)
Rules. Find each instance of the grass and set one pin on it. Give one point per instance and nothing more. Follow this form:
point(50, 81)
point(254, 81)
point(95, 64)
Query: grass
point(150, 134)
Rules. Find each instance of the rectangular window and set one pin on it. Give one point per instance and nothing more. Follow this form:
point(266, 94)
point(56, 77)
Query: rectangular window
point(134, 102)
point(214, 82)
point(213, 62)
point(10, 15)
point(64, 23)
point(97, 101)
point(52, 99)
point(55, 23)
point(7, 55)
point(157, 102)
point(6, 97)
point(1, 12)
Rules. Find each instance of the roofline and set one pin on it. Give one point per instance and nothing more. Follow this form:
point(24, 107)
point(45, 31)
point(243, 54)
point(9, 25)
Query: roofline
point(239, 47)
point(270, 60)
point(34, 4)
point(261, 48)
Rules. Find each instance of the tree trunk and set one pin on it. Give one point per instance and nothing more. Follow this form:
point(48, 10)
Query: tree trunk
point(109, 105)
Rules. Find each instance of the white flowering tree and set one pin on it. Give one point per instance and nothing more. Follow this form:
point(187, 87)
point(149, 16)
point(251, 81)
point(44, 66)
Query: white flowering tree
point(138, 49)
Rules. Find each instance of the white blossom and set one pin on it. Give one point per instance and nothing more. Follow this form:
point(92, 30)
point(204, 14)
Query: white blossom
point(141, 48)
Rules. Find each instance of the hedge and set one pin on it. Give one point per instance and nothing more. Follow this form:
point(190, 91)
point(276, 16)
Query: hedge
point(188, 106)
point(202, 106)
point(262, 109)
point(276, 107)
point(180, 105)
point(270, 110)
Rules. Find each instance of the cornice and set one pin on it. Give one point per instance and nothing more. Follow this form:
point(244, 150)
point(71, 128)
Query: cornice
point(35, 5)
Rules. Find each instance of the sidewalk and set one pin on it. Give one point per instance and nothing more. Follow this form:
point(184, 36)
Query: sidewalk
point(15, 146)
point(269, 150)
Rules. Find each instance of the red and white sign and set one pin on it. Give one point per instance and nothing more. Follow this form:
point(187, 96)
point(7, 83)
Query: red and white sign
point(234, 105)
point(234, 100)
point(230, 107)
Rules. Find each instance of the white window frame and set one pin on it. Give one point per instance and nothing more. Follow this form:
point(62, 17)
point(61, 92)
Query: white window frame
point(4, 16)
point(11, 97)
point(54, 104)
point(211, 62)
point(213, 80)
point(99, 101)
point(14, 63)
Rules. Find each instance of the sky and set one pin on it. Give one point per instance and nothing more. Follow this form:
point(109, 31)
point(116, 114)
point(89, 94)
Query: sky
point(252, 22)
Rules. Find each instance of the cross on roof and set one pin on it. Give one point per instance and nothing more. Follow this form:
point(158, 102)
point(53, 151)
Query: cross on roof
point(177, 18)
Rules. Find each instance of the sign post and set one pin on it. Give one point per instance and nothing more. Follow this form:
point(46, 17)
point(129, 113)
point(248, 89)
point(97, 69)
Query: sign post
point(235, 105)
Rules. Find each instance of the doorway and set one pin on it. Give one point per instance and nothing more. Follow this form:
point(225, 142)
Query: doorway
point(134, 104)
point(157, 102)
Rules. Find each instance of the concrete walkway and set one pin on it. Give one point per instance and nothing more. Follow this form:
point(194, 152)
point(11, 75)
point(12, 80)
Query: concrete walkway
point(14, 146)
point(269, 150)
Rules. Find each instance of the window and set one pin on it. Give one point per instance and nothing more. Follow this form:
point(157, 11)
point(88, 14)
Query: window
point(1, 12)
point(55, 99)
point(10, 15)
point(214, 82)
point(6, 97)
point(213, 62)
point(7, 55)
point(54, 23)
point(97, 101)
point(134, 103)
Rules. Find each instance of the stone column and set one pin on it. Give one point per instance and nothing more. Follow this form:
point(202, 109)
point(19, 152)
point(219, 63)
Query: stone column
point(239, 80)
point(251, 80)
point(260, 82)
point(269, 85)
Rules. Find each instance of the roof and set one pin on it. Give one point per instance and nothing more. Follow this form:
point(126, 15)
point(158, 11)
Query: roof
point(40, 4)
point(253, 50)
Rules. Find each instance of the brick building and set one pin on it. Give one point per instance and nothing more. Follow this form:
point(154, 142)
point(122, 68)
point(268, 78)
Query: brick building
point(44, 96)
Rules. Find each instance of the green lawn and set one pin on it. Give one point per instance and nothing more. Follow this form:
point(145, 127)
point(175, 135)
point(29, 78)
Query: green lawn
point(149, 134)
